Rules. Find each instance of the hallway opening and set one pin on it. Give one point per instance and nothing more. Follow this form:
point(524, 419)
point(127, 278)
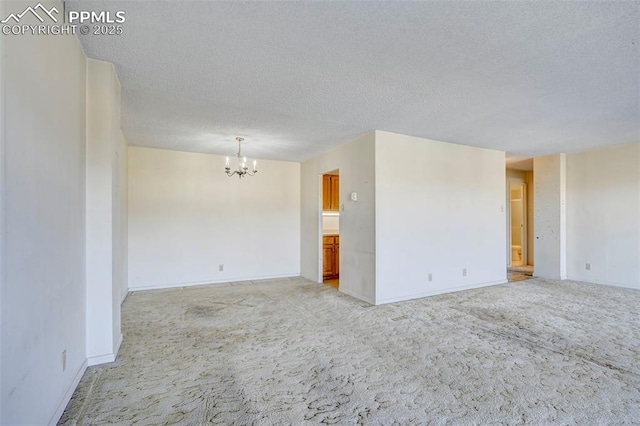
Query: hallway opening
point(520, 219)
point(331, 228)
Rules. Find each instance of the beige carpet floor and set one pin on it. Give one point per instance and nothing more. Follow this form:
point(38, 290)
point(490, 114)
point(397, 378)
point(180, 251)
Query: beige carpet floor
point(295, 352)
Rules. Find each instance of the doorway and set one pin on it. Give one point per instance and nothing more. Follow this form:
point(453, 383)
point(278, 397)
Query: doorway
point(517, 204)
point(519, 198)
point(331, 228)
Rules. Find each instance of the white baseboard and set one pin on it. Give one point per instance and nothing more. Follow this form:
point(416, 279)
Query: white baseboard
point(100, 359)
point(357, 296)
point(438, 291)
point(68, 394)
point(106, 358)
point(221, 281)
point(607, 283)
point(554, 278)
point(117, 348)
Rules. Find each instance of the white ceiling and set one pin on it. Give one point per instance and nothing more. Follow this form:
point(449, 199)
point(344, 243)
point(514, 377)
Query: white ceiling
point(298, 78)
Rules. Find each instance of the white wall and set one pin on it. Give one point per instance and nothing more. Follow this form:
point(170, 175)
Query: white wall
point(2, 199)
point(43, 282)
point(120, 219)
point(440, 208)
point(355, 160)
point(550, 216)
point(330, 223)
point(105, 239)
point(186, 217)
point(603, 215)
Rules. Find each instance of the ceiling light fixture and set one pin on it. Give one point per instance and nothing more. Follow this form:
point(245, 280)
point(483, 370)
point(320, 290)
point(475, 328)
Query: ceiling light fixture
point(242, 170)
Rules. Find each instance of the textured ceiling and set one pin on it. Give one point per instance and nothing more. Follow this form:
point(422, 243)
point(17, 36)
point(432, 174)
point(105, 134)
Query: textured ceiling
point(298, 78)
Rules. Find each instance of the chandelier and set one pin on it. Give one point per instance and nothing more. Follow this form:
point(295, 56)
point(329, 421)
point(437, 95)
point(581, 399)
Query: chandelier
point(242, 169)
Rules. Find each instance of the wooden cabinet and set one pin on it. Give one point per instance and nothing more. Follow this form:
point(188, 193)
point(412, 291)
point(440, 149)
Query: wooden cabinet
point(330, 193)
point(330, 243)
point(330, 256)
point(328, 261)
point(335, 193)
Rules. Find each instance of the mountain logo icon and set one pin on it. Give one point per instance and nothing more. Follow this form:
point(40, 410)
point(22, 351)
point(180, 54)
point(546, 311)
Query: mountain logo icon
point(34, 11)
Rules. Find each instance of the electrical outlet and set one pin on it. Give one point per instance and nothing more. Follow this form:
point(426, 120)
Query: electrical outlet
point(464, 272)
point(64, 360)
point(587, 266)
point(221, 267)
point(430, 277)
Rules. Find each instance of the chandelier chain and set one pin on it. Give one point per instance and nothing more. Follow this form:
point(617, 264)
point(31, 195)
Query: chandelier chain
point(242, 169)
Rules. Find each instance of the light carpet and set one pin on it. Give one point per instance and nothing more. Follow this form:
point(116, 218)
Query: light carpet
point(295, 352)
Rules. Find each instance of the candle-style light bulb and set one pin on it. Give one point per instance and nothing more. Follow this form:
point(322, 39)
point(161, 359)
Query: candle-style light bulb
point(227, 161)
point(255, 165)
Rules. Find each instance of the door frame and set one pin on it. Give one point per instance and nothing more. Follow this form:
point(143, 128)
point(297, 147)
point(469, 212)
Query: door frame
point(320, 223)
point(525, 254)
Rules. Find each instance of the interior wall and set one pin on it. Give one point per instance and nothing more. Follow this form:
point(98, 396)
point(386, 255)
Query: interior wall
point(186, 218)
point(443, 213)
point(43, 242)
point(104, 187)
point(549, 174)
point(120, 211)
point(603, 215)
point(330, 223)
point(2, 200)
point(357, 220)
point(531, 223)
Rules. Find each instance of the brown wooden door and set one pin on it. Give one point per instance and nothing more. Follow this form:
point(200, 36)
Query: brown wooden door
point(327, 261)
point(335, 193)
point(326, 193)
point(330, 256)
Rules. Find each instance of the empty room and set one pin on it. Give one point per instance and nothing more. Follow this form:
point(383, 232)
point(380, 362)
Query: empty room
point(296, 212)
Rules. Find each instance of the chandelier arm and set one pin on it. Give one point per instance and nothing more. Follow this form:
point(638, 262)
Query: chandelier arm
point(242, 169)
